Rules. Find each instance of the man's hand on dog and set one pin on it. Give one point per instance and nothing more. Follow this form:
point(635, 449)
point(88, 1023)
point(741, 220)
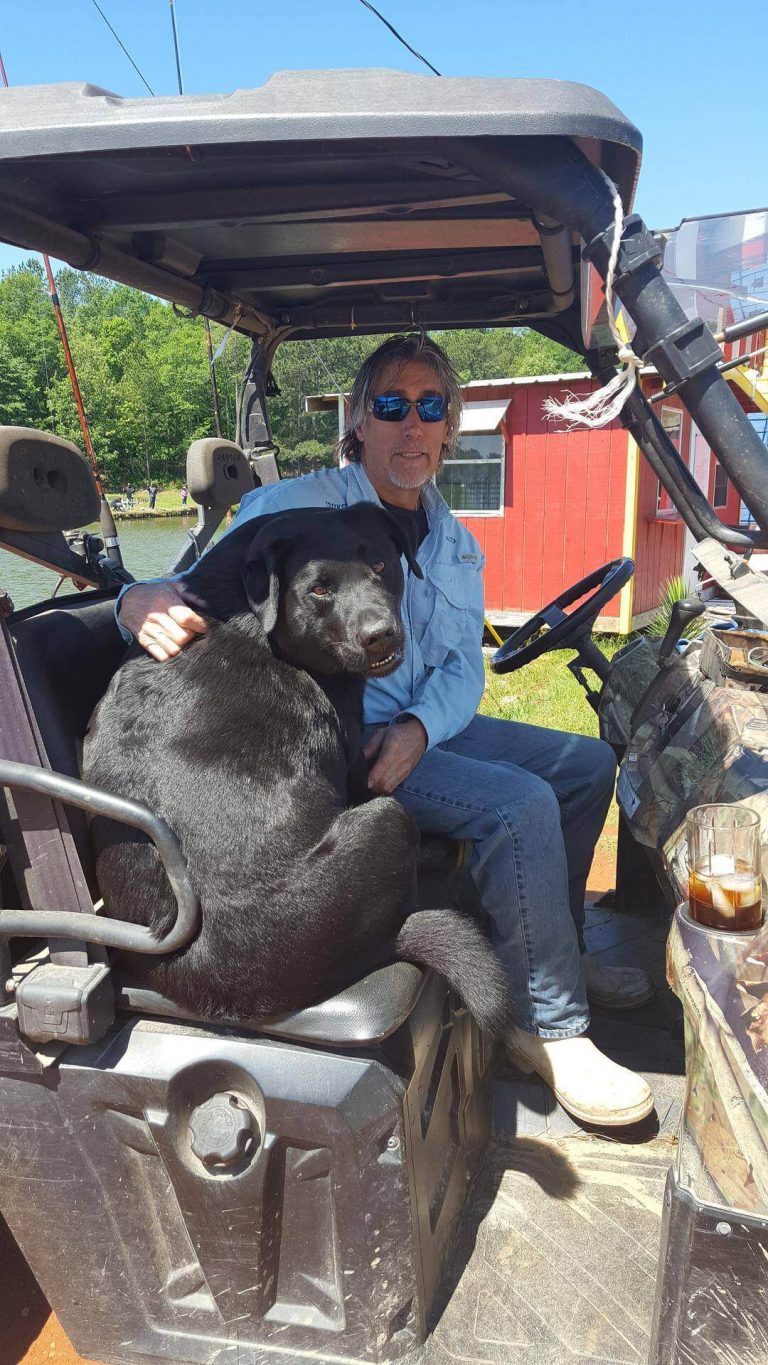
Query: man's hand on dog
point(159, 618)
point(396, 750)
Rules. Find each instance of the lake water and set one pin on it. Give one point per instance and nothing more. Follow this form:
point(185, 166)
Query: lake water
point(149, 548)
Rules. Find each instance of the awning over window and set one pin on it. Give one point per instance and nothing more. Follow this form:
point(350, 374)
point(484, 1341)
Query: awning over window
point(486, 415)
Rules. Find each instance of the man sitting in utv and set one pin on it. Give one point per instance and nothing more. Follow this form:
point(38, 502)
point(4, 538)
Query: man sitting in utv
point(531, 800)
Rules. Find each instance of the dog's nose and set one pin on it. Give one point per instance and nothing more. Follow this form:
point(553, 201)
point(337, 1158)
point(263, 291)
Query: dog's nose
point(375, 631)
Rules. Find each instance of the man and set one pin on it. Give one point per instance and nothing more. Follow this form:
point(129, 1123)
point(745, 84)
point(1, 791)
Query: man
point(152, 490)
point(533, 801)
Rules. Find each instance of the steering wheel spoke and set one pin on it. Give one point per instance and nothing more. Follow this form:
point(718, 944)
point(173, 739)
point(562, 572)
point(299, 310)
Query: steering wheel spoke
point(552, 615)
point(555, 628)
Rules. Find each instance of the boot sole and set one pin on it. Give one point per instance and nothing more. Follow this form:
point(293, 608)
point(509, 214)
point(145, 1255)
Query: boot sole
point(617, 1119)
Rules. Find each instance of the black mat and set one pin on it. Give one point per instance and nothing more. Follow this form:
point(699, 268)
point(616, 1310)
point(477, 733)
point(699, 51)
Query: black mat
point(556, 1260)
point(559, 1250)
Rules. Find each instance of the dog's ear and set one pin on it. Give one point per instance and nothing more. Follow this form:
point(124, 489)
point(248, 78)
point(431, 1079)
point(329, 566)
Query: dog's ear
point(261, 574)
point(402, 543)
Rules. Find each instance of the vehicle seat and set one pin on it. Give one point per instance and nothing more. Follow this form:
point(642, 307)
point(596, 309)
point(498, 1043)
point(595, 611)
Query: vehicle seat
point(290, 1188)
point(68, 650)
point(46, 489)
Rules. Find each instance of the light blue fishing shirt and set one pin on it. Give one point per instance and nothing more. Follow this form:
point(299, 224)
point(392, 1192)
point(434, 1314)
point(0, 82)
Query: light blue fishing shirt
point(441, 678)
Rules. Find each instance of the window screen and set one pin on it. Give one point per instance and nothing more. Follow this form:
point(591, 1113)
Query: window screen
point(471, 479)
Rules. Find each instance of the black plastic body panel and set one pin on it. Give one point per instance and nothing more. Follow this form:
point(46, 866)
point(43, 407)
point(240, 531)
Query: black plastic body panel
point(319, 203)
point(710, 1293)
point(328, 1235)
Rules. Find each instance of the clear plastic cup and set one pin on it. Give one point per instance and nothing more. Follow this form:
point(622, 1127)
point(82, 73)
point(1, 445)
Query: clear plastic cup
point(724, 878)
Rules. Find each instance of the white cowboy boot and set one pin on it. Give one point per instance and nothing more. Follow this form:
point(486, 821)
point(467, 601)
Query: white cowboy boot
point(589, 1085)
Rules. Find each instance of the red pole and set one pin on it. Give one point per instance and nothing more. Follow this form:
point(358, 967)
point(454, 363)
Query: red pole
point(72, 374)
point(106, 519)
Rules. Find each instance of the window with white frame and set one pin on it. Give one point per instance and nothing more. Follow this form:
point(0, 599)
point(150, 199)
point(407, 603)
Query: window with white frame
point(472, 477)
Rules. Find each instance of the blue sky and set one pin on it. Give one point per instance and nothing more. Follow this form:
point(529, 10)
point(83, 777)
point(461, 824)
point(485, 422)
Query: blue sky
point(689, 73)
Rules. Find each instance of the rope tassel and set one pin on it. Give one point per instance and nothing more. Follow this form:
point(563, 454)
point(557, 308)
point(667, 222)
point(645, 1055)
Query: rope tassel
point(599, 408)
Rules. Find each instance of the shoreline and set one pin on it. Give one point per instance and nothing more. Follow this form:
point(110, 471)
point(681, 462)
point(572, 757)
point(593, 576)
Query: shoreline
point(146, 514)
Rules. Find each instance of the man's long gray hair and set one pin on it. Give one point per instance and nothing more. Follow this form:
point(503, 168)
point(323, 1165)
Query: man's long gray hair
point(400, 350)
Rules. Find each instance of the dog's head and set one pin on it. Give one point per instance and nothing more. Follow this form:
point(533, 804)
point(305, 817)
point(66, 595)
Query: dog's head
point(326, 587)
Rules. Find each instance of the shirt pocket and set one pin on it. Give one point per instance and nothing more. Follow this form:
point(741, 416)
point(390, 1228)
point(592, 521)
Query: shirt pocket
point(452, 592)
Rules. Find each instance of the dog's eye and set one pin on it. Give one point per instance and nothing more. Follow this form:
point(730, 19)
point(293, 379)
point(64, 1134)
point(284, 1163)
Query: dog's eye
point(378, 567)
point(320, 589)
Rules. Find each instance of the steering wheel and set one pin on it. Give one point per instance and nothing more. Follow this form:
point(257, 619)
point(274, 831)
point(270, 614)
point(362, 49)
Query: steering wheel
point(552, 628)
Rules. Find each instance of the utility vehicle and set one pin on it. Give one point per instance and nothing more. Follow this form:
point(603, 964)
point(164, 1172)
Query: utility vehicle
point(357, 1181)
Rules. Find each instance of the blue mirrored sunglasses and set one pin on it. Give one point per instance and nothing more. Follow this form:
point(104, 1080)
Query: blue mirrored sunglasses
point(392, 407)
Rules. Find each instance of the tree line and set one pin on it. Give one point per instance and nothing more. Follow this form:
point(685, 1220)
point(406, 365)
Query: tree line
point(143, 370)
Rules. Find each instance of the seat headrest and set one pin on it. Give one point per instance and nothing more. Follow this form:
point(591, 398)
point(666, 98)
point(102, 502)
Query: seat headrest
point(45, 483)
point(218, 473)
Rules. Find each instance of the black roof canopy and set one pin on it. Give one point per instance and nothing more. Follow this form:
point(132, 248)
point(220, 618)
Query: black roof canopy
point(317, 204)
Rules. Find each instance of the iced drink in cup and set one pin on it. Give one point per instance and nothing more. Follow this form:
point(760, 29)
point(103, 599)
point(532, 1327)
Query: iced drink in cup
point(724, 878)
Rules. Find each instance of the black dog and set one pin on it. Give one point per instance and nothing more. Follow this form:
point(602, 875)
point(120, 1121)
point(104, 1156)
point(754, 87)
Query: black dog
point(249, 746)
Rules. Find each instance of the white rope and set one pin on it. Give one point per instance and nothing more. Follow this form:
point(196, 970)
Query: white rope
point(599, 408)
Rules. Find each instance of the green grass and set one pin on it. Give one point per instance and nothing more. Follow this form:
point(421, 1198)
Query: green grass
point(545, 693)
point(168, 502)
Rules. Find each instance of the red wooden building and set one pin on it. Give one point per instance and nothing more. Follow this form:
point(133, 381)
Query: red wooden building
point(549, 506)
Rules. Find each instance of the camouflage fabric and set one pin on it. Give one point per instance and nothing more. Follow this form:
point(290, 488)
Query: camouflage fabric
point(693, 742)
point(723, 1152)
point(633, 669)
point(697, 739)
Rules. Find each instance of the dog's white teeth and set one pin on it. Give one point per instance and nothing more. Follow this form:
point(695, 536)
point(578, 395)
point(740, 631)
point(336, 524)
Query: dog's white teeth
point(382, 662)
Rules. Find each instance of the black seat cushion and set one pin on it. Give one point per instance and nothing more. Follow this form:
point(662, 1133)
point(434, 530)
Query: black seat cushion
point(68, 650)
point(363, 1014)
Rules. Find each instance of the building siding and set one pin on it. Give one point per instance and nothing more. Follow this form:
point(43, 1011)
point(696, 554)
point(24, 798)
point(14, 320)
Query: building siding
point(564, 495)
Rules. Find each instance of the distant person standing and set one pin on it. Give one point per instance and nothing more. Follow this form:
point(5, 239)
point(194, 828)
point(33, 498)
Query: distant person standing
point(152, 490)
point(184, 495)
point(129, 494)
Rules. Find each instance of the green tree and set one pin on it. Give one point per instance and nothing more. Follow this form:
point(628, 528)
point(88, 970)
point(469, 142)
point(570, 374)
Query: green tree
point(330, 365)
point(30, 351)
point(143, 373)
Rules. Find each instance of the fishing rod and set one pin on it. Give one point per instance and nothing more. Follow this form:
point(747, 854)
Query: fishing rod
point(212, 373)
point(206, 323)
point(106, 520)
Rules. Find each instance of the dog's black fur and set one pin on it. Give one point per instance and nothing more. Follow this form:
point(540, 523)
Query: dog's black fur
point(249, 745)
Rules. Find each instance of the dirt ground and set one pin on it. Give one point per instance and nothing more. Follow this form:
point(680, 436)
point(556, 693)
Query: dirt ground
point(30, 1334)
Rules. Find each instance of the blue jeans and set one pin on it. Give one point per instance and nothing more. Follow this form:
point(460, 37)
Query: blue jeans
point(533, 802)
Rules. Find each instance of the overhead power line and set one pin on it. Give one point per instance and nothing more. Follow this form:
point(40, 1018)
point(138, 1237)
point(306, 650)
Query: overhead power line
point(119, 41)
point(400, 37)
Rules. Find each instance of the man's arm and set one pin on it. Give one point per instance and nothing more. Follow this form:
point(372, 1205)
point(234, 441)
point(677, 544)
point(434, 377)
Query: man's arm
point(447, 700)
point(443, 706)
point(393, 753)
point(157, 616)
point(155, 613)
